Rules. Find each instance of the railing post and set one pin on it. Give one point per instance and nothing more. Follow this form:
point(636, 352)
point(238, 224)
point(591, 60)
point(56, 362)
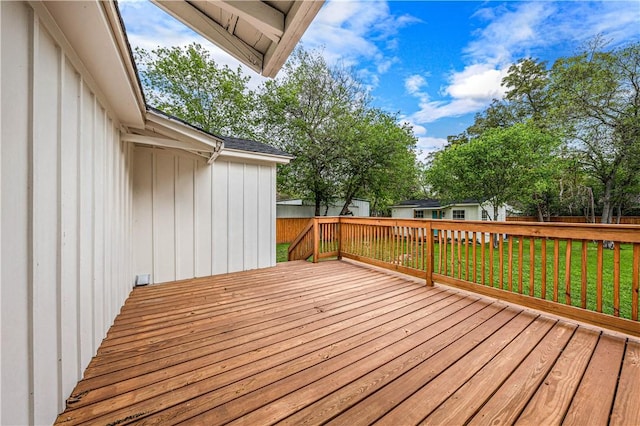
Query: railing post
point(430, 256)
point(316, 240)
point(339, 236)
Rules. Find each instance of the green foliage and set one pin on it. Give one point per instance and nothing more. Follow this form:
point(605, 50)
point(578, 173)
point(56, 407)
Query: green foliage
point(596, 97)
point(378, 159)
point(591, 105)
point(343, 148)
point(306, 113)
point(187, 83)
point(527, 83)
point(565, 139)
point(502, 165)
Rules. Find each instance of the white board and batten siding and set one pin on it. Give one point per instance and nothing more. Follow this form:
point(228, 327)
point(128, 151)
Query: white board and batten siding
point(66, 213)
point(192, 219)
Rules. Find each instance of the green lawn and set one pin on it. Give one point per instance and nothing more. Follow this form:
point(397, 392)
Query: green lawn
point(281, 252)
point(380, 249)
point(575, 287)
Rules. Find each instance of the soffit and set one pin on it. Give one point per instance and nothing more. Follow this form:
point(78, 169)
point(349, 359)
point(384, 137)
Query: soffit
point(167, 132)
point(260, 34)
point(94, 33)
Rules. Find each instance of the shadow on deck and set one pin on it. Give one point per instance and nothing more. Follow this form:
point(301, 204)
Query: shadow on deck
point(304, 343)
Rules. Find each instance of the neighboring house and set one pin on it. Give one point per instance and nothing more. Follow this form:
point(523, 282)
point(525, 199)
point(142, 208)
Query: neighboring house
point(433, 209)
point(97, 188)
point(306, 208)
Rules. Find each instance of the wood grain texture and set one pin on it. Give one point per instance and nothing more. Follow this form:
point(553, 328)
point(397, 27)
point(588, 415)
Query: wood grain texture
point(626, 408)
point(339, 342)
point(506, 404)
point(553, 397)
point(600, 378)
point(467, 399)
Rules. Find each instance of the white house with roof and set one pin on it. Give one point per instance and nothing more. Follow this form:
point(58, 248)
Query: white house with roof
point(434, 209)
point(97, 188)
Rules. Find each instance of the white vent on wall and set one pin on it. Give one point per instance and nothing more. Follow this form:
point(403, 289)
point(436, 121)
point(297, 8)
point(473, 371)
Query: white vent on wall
point(143, 279)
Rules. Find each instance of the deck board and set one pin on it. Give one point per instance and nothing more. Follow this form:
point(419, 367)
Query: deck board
point(466, 400)
point(600, 378)
point(552, 399)
point(342, 343)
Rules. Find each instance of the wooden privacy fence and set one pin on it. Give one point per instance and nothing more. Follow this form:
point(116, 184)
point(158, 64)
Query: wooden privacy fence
point(288, 228)
point(566, 269)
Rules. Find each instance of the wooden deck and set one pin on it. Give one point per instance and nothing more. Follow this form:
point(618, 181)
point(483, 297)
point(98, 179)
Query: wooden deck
point(340, 343)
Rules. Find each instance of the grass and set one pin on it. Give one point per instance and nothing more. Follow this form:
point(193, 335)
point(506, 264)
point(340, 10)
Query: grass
point(573, 290)
point(381, 249)
point(282, 252)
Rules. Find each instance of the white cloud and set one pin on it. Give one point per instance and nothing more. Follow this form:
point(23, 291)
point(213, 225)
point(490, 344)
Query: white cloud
point(418, 130)
point(481, 82)
point(489, 55)
point(509, 31)
point(431, 111)
point(414, 84)
point(385, 64)
point(357, 33)
point(425, 144)
point(519, 29)
point(467, 92)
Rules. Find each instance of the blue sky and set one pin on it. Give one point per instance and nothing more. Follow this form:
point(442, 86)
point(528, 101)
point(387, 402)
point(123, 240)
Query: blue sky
point(436, 63)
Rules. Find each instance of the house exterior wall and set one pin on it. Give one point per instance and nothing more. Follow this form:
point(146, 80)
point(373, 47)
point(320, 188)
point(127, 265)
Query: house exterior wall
point(402, 212)
point(361, 207)
point(472, 212)
point(287, 210)
point(192, 219)
point(290, 210)
point(65, 218)
point(296, 208)
point(502, 212)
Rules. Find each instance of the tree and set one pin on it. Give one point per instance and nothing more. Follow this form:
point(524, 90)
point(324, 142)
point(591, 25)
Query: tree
point(378, 160)
point(307, 113)
point(343, 148)
point(597, 95)
point(527, 82)
point(187, 83)
point(501, 166)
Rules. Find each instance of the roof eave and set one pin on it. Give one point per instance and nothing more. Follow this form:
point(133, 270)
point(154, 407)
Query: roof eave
point(181, 130)
point(236, 154)
point(84, 28)
point(296, 23)
point(267, 63)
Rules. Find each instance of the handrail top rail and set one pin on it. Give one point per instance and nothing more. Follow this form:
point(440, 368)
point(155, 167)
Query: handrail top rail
point(581, 231)
point(368, 219)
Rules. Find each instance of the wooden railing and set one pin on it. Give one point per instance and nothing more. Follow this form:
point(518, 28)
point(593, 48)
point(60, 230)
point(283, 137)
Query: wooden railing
point(402, 245)
point(318, 239)
point(585, 272)
point(624, 220)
